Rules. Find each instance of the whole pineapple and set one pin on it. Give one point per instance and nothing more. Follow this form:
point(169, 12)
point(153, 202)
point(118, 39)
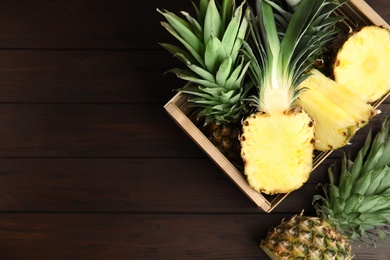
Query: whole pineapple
point(210, 49)
point(277, 143)
point(355, 206)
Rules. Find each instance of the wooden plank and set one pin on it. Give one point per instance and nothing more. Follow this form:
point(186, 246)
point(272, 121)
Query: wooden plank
point(96, 24)
point(131, 185)
point(91, 24)
point(99, 130)
point(57, 76)
point(142, 236)
point(381, 7)
point(96, 130)
point(134, 185)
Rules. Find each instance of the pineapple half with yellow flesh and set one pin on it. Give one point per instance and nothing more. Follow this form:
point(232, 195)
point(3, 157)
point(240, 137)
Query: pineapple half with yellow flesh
point(362, 63)
point(355, 206)
point(277, 143)
point(337, 111)
point(209, 47)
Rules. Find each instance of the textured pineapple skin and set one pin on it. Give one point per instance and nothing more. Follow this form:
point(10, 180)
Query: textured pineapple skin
point(277, 150)
point(226, 137)
point(362, 63)
point(337, 111)
point(304, 237)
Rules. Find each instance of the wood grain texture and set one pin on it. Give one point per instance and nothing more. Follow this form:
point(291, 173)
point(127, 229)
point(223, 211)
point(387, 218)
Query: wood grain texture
point(131, 185)
point(105, 130)
point(67, 76)
point(92, 167)
point(142, 236)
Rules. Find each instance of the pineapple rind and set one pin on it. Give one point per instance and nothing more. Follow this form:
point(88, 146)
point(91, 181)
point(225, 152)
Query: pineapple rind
point(277, 151)
point(304, 237)
point(362, 63)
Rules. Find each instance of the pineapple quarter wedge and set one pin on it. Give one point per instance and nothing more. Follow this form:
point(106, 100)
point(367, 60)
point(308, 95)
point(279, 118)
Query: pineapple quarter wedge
point(338, 112)
point(352, 104)
point(333, 126)
point(363, 61)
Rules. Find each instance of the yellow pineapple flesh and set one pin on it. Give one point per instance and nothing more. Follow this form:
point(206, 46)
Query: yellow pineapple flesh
point(286, 141)
point(338, 112)
point(277, 142)
point(362, 63)
point(354, 106)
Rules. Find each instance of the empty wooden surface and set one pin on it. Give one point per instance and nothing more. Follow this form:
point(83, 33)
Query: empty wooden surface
point(91, 166)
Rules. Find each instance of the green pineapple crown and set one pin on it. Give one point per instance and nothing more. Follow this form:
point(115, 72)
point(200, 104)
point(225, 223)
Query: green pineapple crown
point(210, 49)
point(357, 198)
point(286, 38)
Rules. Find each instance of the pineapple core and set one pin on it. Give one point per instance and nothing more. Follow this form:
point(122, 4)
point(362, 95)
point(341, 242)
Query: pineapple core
point(277, 150)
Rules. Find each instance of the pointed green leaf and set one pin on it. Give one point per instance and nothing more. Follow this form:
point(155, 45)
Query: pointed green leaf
point(238, 83)
point(230, 35)
point(182, 54)
point(204, 74)
point(362, 184)
point(192, 77)
point(203, 4)
point(234, 75)
point(215, 54)
point(193, 52)
point(184, 29)
point(353, 203)
point(225, 97)
point(227, 11)
point(196, 27)
point(212, 23)
point(384, 185)
point(377, 176)
point(224, 71)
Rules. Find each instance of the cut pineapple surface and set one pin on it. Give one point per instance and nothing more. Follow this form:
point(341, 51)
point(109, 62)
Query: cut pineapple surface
point(353, 105)
point(333, 126)
point(338, 112)
point(277, 151)
point(362, 63)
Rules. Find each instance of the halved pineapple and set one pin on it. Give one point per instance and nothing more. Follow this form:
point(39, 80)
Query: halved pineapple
point(362, 63)
point(275, 144)
point(338, 112)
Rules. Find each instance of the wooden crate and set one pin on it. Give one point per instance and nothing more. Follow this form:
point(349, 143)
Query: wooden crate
point(357, 12)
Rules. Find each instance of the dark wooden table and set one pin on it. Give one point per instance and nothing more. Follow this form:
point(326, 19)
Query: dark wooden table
point(92, 167)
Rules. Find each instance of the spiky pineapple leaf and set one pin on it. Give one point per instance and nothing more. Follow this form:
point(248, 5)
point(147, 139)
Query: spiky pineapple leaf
point(227, 11)
point(188, 46)
point(214, 68)
point(180, 53)
point(224, 71)
point(364, 186)
point(196, 27)
point(235, 32)
point(212, 23)
point(184, 29)
point(190, 76)
point(214, 55)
